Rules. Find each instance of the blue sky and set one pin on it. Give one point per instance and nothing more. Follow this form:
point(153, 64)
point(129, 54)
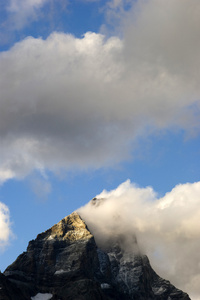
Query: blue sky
point(94, 93)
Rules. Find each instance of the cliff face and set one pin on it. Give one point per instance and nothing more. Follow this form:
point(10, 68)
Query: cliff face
point(65, 263)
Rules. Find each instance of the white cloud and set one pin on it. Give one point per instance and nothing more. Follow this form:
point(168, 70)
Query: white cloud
point(22, 11)
point(18, 5)
point(68, 102)
point(5, 226)
point(167, 228)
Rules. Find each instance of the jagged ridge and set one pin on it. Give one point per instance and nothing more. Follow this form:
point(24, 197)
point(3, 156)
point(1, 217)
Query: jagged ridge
point(65, 263)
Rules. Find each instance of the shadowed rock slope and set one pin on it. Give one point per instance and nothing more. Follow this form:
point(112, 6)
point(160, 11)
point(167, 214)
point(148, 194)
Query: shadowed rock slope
point(65, 263)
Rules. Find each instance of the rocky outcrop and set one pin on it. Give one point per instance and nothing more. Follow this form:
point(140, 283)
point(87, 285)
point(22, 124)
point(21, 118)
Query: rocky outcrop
point(65, 263)
point(132, 276)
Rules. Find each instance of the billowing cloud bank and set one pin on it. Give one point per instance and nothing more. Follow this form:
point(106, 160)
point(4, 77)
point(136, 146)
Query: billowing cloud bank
point(167, 228)
point(69, 102)
point(5, 226)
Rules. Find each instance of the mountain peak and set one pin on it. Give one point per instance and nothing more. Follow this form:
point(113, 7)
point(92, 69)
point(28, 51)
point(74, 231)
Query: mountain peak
point(71, 228)
point(65, 263)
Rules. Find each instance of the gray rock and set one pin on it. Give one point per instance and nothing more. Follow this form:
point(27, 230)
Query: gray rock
point(66, 263)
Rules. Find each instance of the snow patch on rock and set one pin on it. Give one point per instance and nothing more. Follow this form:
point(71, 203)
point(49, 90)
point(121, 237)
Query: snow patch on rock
point(158, 290)
point(41, 296)
point(105, 286)
point(59, 272)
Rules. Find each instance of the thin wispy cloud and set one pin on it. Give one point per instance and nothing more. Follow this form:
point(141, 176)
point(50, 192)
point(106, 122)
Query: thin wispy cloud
point(40, 186)
point(167, 228)
point(21, 12)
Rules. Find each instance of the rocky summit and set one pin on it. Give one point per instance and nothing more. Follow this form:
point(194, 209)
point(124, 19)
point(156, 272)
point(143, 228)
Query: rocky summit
point(65, 263)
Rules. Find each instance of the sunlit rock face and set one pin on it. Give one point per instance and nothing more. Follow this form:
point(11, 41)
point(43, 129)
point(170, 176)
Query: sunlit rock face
point(65, 263)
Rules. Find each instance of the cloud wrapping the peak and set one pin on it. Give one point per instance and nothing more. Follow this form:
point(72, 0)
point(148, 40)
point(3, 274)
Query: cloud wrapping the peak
point(167, 228)
point(69, 102)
